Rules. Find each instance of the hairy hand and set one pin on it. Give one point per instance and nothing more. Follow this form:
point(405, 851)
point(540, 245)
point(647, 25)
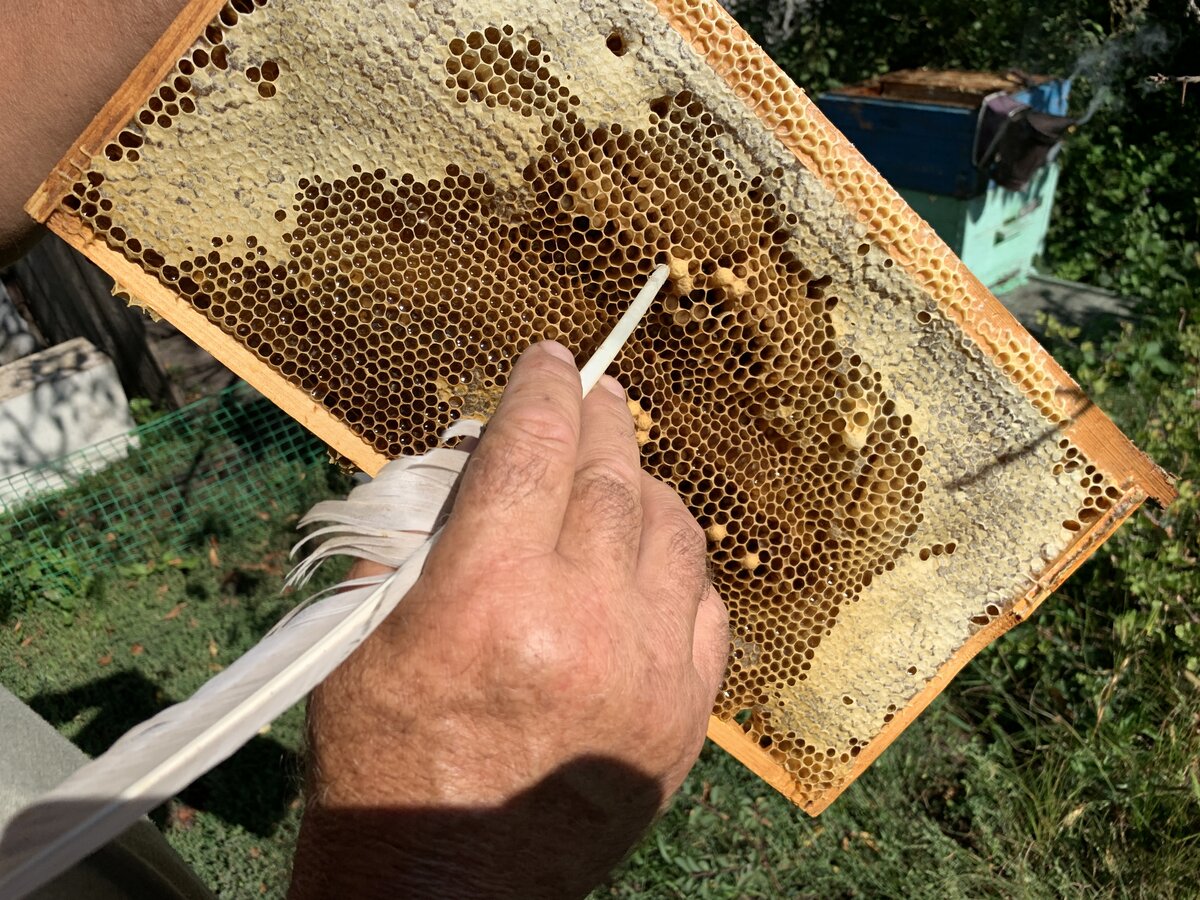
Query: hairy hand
point(513, 727)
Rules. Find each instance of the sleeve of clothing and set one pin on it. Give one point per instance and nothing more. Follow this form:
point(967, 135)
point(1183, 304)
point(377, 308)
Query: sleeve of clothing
point(139, 864)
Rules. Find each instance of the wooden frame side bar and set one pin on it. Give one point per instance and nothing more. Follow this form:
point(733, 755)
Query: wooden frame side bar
point(909, 240)
point(730, 737)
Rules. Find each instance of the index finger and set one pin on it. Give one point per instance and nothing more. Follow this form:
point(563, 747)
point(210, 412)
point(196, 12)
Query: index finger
point(519, 479)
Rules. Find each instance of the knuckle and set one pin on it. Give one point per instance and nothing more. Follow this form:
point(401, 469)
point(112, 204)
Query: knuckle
point(720, 616)
point(687, 546)
point(616, 412)
point(716, 625)
point(554, 657)
point(541, 650)
point(544, 422)
point(605, 496)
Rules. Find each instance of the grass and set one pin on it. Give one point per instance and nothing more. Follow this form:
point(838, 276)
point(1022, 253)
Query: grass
point(1062, 761)
point(133, 502)
point(151, 635)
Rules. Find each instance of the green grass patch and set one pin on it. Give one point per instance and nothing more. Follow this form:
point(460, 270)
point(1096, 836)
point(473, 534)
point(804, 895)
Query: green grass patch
point(97, 658)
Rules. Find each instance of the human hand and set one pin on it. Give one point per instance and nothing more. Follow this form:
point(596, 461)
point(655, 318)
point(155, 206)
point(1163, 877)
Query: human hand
point(543, 688)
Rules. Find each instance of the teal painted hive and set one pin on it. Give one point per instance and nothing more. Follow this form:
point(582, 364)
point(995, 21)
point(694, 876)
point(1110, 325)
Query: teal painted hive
point(922, 130)
point(999, 233)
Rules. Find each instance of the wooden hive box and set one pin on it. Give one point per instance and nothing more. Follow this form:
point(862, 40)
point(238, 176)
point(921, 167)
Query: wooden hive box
point(368, 209)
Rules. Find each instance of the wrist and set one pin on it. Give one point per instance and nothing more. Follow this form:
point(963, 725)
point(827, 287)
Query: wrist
point(556, 838)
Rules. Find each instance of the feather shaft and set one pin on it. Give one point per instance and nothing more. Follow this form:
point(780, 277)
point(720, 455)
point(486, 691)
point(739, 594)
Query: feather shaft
point(619, 336)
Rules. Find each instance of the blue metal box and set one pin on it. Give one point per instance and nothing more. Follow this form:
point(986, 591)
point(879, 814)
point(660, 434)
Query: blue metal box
point(919, 128)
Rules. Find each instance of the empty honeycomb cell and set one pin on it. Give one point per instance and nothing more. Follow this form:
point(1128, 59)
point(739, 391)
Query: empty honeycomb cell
point(789, 383)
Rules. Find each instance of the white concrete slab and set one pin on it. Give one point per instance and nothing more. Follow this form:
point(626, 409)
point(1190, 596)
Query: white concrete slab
point(55, 403)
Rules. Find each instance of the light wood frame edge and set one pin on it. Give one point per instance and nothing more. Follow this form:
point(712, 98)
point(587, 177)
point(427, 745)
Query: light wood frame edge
point(710, 30)
point(183, 31)
point(730, 737)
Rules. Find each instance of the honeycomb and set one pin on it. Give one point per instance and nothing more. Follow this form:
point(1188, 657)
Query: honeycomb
point(381, 204)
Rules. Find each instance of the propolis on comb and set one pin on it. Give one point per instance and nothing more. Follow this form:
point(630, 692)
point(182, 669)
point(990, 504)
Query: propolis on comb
point(368, 210)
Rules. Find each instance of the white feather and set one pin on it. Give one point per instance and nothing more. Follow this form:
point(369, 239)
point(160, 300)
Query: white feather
point(394, 519)
point(387, 518)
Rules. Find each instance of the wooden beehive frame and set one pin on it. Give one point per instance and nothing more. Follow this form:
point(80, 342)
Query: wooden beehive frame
point(784, 111)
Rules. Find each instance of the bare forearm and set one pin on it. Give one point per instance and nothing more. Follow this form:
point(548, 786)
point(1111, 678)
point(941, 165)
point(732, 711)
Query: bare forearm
point(62, 60)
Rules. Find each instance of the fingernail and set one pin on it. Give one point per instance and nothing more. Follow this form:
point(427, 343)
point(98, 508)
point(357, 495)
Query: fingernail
point(611, 385)
point(558, 351)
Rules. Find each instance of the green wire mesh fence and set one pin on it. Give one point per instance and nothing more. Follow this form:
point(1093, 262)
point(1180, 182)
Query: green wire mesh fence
point(215, 467)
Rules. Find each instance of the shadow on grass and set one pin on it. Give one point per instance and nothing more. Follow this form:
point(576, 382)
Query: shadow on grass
point(1096, 312)
point(252, 789)
point(558, 838)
